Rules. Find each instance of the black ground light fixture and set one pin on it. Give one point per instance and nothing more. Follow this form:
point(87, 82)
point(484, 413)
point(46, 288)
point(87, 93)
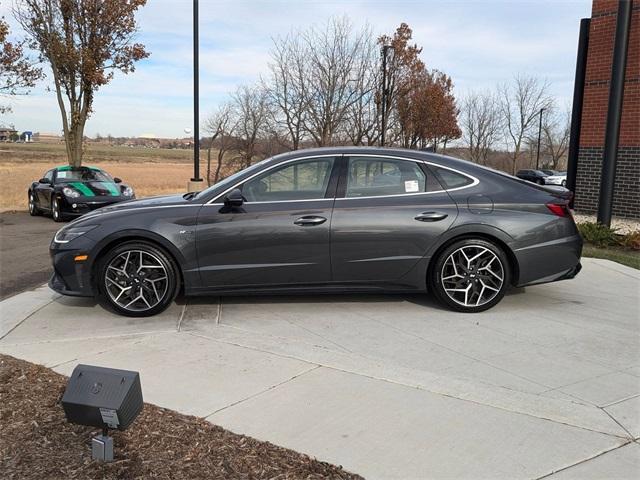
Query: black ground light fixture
point(105, 398)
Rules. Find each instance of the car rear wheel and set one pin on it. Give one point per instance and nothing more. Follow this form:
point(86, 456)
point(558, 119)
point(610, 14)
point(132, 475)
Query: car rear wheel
point(470, 275)
point(33, 209)
point(55, 210)
point(137, 279)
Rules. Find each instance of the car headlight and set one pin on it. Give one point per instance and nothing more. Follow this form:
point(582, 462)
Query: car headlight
point(70, 192)
point(128, 192)
point(66, 234)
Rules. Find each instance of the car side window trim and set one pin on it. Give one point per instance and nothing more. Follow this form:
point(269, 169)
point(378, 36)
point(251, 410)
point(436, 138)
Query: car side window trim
point(341, 161)
point(337, 157)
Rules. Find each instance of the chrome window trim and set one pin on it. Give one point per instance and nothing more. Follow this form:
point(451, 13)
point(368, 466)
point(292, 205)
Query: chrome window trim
point(474, 182)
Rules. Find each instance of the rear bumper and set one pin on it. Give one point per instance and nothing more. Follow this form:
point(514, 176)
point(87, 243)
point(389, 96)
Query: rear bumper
point(549, 261)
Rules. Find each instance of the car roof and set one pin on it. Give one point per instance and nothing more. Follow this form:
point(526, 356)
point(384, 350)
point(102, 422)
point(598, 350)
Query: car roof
point(423, 155)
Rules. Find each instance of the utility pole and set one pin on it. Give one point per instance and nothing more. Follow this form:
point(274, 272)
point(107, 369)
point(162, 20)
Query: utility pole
point(539, 133)
point(196, 182)
point(385, 93)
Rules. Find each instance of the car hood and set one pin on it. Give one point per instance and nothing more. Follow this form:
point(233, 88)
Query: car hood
point(129, 205)
point(94, 188)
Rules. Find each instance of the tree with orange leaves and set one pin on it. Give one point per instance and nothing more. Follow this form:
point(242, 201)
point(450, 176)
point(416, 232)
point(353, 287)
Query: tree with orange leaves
point(84, 42)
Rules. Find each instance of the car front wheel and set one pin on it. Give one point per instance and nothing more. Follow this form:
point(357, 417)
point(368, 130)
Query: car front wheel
point(33, 210)
point(55, 210)
point(470, 275)
point(137, 279)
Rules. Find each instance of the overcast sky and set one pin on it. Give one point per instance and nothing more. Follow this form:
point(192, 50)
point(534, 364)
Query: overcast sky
point(478, 43)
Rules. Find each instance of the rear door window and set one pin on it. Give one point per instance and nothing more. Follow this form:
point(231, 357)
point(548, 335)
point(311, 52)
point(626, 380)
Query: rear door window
point(380, 176)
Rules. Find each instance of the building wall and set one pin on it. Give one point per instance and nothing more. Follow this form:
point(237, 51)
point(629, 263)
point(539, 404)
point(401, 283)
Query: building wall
point(626, 201)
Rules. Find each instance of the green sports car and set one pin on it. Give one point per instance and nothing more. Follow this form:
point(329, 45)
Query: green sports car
point(67, 192)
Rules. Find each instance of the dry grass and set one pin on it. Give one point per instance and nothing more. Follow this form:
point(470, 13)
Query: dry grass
point(149, 171)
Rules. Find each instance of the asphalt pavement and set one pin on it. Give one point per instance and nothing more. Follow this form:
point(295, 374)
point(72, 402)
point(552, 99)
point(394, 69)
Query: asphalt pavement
point(24, 251)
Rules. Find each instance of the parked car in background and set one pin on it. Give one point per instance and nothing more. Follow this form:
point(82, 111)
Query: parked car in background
point(535, 176)
point(555, 178)
point(67, 192)
point(331, 220)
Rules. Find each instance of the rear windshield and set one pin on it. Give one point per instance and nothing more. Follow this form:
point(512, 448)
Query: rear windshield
point(83, 175)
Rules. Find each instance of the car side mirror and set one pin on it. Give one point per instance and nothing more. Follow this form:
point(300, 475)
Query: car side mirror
point(45, 181)
point(234, 198)
point(117, 180)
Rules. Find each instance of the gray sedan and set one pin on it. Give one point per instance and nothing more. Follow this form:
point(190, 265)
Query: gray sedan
point(325, 221)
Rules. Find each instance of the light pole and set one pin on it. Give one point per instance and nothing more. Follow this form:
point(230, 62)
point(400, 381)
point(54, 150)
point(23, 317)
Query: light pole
point(385, 93)
point(539, 133)
point(196, 182)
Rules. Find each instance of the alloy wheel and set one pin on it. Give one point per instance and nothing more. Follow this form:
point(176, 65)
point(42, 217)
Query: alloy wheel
point(31, 204)
point(55, 210)
point(472, 275)
point(136, 280)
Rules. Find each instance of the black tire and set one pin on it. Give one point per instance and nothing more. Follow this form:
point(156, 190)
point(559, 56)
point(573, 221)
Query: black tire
point(56, 213)
point(34, 211)
point(540, 181)
point(149, 250)
point(436, 284)
point(563, 183)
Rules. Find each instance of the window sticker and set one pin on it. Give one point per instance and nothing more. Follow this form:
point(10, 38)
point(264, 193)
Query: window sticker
point(411, 186)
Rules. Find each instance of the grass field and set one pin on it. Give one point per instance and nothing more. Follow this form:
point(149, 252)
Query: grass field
point(149, 171)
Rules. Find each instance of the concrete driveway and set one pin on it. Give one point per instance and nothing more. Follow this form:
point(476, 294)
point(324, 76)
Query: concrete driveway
point(547, 383)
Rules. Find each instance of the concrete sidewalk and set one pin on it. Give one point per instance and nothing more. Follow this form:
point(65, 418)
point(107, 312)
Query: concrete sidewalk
point(387, 386)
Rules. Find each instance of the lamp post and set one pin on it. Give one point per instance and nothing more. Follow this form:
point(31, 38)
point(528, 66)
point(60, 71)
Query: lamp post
point(385, 93)
point(196, 182)
point(539, 133)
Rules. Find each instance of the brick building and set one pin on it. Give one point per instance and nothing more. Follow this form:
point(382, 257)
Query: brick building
point(595, 81)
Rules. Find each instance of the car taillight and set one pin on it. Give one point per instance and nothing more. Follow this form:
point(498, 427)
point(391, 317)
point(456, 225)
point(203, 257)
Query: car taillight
point(559, 209)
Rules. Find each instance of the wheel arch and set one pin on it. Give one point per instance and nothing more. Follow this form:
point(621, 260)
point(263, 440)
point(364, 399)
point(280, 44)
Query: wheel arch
point(156, 240)
point(483, 232)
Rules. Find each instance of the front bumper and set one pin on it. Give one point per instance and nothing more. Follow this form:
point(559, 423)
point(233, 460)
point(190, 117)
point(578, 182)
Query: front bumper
point(69, 276)
point(75, 207)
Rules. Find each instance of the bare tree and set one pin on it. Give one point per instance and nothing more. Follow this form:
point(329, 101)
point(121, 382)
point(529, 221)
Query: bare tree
point(336, 73)
point(520, 104)
point(221, 126)
point(84, 42)
point(251, 105)
point(556, 127)
point(287, 86)
point(481, 124)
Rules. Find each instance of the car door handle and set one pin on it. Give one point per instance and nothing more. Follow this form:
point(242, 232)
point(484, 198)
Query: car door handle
point(431, 216)
point(309, 221)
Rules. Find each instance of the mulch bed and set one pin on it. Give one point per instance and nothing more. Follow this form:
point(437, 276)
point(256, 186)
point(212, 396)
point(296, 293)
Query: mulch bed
point(36, 441)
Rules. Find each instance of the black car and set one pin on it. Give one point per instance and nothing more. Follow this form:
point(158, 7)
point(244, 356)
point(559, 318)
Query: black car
point(325, 220)
point(66, 192)
point(535, 176)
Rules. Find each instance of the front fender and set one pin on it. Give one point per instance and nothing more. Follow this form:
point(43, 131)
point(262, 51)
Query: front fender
point(104, 244)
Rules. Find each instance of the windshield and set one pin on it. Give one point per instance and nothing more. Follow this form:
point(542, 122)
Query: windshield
point(82, 175)
point(227, 182)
